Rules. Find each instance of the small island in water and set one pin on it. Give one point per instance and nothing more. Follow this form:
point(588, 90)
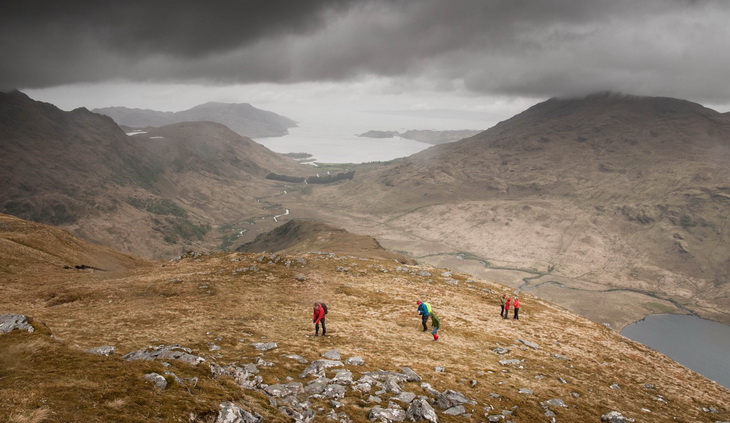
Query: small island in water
point(424, 135)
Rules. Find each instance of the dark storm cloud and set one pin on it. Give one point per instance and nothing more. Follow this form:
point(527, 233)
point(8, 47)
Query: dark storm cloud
point(528, 47)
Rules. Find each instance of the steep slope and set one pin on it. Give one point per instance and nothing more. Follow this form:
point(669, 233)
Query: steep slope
point(300, 236)
point(604, 193)
point(153, 193)
point(192, 336)
point(242, 118)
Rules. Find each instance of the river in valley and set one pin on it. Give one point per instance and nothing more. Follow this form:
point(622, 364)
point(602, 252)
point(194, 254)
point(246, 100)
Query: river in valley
point(699, 344)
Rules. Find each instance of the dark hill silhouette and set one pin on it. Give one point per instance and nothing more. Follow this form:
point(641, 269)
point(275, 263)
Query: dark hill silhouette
point(242, 118)
point(628, 192)
point(301, 236)
point(150, 193)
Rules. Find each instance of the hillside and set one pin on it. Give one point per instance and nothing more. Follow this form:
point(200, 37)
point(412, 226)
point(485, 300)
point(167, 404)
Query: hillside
point(209, 335)
point(242, 118)
point(152, 194)
point(613, 206)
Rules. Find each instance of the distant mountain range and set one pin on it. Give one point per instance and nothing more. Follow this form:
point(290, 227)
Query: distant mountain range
point(242, 118)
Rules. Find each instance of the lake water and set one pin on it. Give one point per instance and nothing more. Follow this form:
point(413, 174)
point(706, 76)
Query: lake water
point(699, 344)
point(335, 140)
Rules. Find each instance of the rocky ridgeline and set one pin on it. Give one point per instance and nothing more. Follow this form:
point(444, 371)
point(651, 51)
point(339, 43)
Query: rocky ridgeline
point(320, 392)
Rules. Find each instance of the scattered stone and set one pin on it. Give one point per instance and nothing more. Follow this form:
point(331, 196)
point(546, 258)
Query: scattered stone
point(452, 281)
point(562, 380)
point(439, 369)
point(494, 418)
point(387, 414)
point(455, 411)
point(280, 390)
point(264, 346)
point(343, 377)
point(297, 357)
point(105, 351)
point(615, 417)
point(614, 386)
point(420, 409)
point(336, 392)
point(525, 391)
point(355, 361)
point(560, 357)
point(301, 278)
point(391, 385)
point(157, 379)
point(332, 355)
point(649, 386)
point(424, 273)
point(556, 402)
point(510, 362)
point(428, 388)
point(231, 413)
point(501, 350)
point(362, 387)
point(449, 398)
point(410, 375)
point(10, 322)
point(405, 397)
point(373, 398)
point(529, 344)
point(263, 363)
point(170, 352)
point(213, 347)
point(446, 274)
point(317, 367)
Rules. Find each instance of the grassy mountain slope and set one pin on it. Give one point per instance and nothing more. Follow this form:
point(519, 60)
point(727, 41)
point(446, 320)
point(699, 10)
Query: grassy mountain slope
point(218, 305)
point(151, 194)
point(605, 193)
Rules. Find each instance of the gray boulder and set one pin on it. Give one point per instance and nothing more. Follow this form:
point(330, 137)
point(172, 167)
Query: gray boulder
point(532, 345)
point(157, 379)
point(264, 346)
point(387, 414)
point(332, 355)
point(449, 398)
point(335, 392)
point(169, 352)
point(281, 390)
point(455, 411)
point(355, 361)
point(420, 409)
point(410, 375)
point(343, 377)
point(405, 397)
point(615, 417)
point(10, 322)
point(317, 367)
point(106, 350)
point(231, 413)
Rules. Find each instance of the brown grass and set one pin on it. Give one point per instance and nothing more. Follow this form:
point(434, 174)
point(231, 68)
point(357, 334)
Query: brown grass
point(198, 302)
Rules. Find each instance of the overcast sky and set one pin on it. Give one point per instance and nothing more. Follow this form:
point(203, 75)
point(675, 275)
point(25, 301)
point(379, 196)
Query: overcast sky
point(495, 57)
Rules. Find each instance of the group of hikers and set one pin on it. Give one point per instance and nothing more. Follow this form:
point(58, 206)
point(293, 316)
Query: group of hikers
point(424, 310)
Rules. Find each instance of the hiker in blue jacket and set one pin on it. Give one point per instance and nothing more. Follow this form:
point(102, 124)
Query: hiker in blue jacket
point(424, 310)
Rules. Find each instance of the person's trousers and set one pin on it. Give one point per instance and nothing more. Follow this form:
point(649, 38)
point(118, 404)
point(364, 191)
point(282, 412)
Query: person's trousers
point(517, 313)
point(501, 313)
point(424, 321)
point(506, 313)
point(316, 328)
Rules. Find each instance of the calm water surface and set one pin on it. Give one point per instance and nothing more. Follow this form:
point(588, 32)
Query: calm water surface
point(699, 344)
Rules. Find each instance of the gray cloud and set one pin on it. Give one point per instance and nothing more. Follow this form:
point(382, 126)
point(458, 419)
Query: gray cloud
point(527, 48)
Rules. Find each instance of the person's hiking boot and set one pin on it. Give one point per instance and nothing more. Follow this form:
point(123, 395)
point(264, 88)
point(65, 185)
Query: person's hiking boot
point(435, 337)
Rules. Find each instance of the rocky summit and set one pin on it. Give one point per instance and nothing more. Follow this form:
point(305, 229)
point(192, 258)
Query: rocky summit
point(228, 337)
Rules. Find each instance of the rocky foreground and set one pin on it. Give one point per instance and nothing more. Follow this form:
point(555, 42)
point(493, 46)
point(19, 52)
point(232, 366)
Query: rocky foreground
point(228, 337)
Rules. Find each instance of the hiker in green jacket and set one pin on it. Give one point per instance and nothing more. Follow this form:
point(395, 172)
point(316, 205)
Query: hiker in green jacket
point(435, 324)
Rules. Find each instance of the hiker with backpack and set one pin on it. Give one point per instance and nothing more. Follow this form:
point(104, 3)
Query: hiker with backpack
point(318, 316)
point(502, 299)
point(424, 309)
point(516, 306)
point(436, 324)
point(506, 307)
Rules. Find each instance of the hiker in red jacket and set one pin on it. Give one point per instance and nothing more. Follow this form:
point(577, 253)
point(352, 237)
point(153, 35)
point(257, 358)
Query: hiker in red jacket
point(517, 308)
point(506, 307)
point(317, 318)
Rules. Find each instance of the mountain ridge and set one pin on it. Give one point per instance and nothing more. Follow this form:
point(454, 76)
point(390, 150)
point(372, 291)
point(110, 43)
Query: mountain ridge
point(242, 118)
